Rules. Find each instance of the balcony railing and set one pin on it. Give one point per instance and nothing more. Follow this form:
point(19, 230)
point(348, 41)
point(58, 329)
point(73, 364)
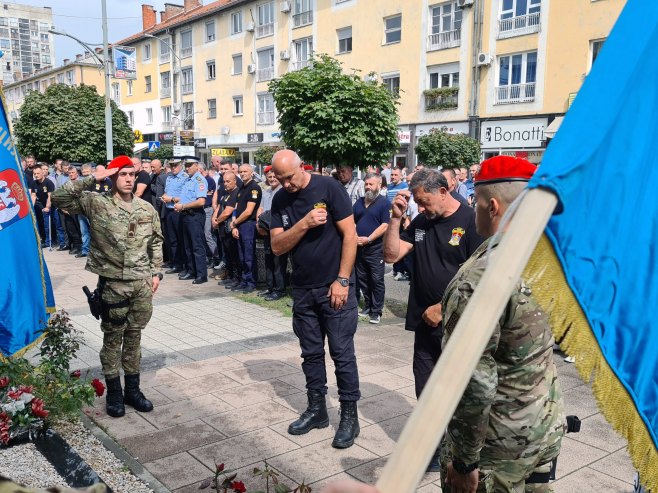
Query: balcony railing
point(444, 98)
point(165, 92)
point(265, 118)
point(515, 93)
point(441, 41)
point(187, 88)
point(519, 25)
point(265, 30)
point(165, 57)
point(303, 18)
point(294, 66)
point(263, 74)
point(186, 52)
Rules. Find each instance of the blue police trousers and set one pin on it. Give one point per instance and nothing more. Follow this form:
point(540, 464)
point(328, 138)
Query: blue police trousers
point(247, 251)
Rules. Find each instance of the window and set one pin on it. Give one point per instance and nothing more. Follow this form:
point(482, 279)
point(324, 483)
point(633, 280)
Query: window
point(236, 22)
point(165, 84)
point(149, 116)
point(443, 92)
point(210, 70)
point(210, 31)
point(116, 93)
point(302, 12)
point(60, 78)
point(147, 83)
point(131, 118)
point(45, 59)
point(344, 40)
point(4, 21)
point(265, 65)
point(265, 109)
point(393, 29)
point(212, 108)
point(70, 77)
point(165, 52)
point(302, 51)
point(166, 116)
point(44, 37)
point(44, 26)
point(5, 44)
point(187, 85)
point(595, 48)
point(146, 52)
point(516, 78)
point(237, 105)
point(129, 84)
point(237, 64)
point(445, 31)
point(186, 43)
point(392, 83)
point(518, 17)
point(265, 26)
point(444, 76)
point(188, 116)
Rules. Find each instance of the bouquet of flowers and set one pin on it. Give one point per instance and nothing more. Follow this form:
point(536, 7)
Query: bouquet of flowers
point(20, 411)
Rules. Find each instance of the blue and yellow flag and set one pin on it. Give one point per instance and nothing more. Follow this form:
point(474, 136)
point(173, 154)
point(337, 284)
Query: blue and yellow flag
point(26, 296)
point(597, 267)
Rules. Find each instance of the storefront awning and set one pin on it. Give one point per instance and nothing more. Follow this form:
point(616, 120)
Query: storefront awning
point(552, 129)
point(142, 146)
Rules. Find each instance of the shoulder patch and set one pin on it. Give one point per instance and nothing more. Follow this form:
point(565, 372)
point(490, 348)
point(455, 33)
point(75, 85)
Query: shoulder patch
point(254, 194)
point(198, 178)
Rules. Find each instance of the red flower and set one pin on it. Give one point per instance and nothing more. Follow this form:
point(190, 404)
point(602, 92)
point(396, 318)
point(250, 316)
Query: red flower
point(4, 381)
point(98, 386)
point(238, 487)
point(76, 374)
point(15, 394)
point(37, 408)
point(5, 422)
point(220, 467)
point(26, 389)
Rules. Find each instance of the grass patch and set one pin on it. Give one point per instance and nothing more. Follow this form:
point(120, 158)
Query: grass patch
point(279, 305)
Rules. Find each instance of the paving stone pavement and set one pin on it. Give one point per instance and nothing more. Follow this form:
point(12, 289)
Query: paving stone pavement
point(225, 378)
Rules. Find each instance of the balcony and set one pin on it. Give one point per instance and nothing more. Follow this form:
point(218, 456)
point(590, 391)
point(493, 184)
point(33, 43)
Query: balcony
point(165, 92)
point(187, 88)
point(515, 93)
point(186, 52)
point(302, 19)
point(264, 74)
point(519, 25)
point(165, 57)
point(441, 98)
point(264, 30)
point(265, 118)
point(294, 66)
point(441, 41)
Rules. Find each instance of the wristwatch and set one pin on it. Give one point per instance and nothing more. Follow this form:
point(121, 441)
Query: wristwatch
point(463, 468)
point(344, 281)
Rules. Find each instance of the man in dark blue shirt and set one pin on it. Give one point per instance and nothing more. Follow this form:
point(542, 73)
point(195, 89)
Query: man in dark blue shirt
point(372, 214)
point(312, 218)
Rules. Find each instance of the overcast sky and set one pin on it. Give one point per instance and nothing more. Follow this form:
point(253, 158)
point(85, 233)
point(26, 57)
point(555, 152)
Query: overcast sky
point(82, 18)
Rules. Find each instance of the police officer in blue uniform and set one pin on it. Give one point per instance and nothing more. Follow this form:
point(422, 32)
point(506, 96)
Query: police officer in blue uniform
point(190, 207)
point(172, 219)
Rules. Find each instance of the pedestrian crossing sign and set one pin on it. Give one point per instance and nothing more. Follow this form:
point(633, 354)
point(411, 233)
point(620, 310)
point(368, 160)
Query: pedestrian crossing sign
point(154, 146)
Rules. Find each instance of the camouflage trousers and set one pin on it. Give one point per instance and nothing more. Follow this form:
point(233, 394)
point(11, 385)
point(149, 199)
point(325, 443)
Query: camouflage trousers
point(502, 476)
point(122, 326)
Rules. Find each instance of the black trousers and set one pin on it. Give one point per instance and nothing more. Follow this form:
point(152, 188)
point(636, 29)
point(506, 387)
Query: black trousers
point(275, 267)
point(175, 235)
point(73, 230)
point(38, 212)
point(370, 276)
point(314, 320)
point(427, 350)
point(231, 256)
point(195, 242)
point(166, 249)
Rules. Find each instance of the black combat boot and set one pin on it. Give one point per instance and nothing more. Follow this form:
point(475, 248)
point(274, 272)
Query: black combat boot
point(114, 398)
point(134, 397)
point(348, 428)
point(315, 415)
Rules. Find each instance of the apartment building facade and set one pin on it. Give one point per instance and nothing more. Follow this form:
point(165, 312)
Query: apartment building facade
point(503, 71)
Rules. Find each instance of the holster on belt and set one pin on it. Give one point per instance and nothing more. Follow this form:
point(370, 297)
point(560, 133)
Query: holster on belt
point(99, 308)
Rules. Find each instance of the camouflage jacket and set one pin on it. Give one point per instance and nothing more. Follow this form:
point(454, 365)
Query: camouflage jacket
point(126, 240)
point(512, 407)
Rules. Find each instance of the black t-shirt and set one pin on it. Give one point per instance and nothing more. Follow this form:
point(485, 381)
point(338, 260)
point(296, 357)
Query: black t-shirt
point(143, 178)
point(210, 191)
point(250, 192)
point(440, 247)
point(103, 187)
point(316, 258)
point(228, 199)
point(42, 189)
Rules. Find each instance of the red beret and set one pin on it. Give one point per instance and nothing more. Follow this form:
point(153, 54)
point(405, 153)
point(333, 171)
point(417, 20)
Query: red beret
point(308, 167)
point(120, 162)
point(267, 169)
point(504, 168)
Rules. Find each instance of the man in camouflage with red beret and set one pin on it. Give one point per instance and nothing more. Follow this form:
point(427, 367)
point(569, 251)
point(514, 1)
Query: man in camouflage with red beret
point(126, 253)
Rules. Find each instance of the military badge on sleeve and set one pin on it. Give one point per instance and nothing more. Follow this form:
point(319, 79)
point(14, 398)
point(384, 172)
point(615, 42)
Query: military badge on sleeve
point(254, 194)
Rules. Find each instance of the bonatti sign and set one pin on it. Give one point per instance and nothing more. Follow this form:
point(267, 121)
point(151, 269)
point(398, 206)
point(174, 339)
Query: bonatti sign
point(505, 134)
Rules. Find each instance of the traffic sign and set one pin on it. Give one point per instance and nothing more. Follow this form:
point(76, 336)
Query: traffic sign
point(153, 145)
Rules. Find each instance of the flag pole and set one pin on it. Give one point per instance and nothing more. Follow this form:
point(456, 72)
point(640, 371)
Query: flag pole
point(443, 391)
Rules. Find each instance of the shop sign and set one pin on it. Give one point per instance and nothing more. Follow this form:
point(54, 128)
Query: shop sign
point(222, 152)
point(200, 143)
point(404, 137)
point(502, 134)
point(253, 138)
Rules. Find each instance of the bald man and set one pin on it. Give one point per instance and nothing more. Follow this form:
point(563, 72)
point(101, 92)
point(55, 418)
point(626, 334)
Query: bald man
point(312, 218)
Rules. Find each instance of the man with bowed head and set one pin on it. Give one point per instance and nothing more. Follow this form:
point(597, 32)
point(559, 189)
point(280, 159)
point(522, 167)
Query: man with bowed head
point(312, 218)
point(126, 253)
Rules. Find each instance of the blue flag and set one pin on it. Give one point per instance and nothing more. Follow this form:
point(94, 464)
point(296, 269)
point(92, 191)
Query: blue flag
point(603, 240)
point(26, 296)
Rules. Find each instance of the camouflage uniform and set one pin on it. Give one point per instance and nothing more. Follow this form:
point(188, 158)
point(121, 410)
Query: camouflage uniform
point(510, 419)
point(126, 252)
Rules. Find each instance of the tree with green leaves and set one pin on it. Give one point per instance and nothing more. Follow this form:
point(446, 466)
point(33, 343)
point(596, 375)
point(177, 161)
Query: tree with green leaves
point(441, 149)
point(334, 118)
point(69, 123)
point(264, 154)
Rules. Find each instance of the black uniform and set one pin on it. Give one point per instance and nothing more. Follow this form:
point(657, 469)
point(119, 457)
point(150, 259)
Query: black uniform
point(143, 178)
point(249, 193)
point(229, 244)
point(316, 262)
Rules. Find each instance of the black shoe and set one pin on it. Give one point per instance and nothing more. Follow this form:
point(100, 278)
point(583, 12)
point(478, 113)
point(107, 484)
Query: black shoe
point(239, 287)
point(166, 265)
point(200, 280)
point(114, 398)
point(80, 255)
point(230, 285)
point(265, 293)
point(315, 415)
point(134, 397)
point(348, 428)
point(248, 290)
point(186, 277)
point(62, 248)
point(74, 251)
point(175, 270)
point(276, 295)
point(435, 462)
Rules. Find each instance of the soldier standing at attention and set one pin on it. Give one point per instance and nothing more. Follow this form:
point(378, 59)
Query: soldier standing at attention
point(126, 253)
point(509, 424)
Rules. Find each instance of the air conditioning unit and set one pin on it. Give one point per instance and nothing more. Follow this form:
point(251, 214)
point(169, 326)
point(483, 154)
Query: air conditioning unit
point(251, 27)
point(225, 130)
point(284, 55)
point(465, 3)
point(251, 68)
point(285, 7)
point(484, 59)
